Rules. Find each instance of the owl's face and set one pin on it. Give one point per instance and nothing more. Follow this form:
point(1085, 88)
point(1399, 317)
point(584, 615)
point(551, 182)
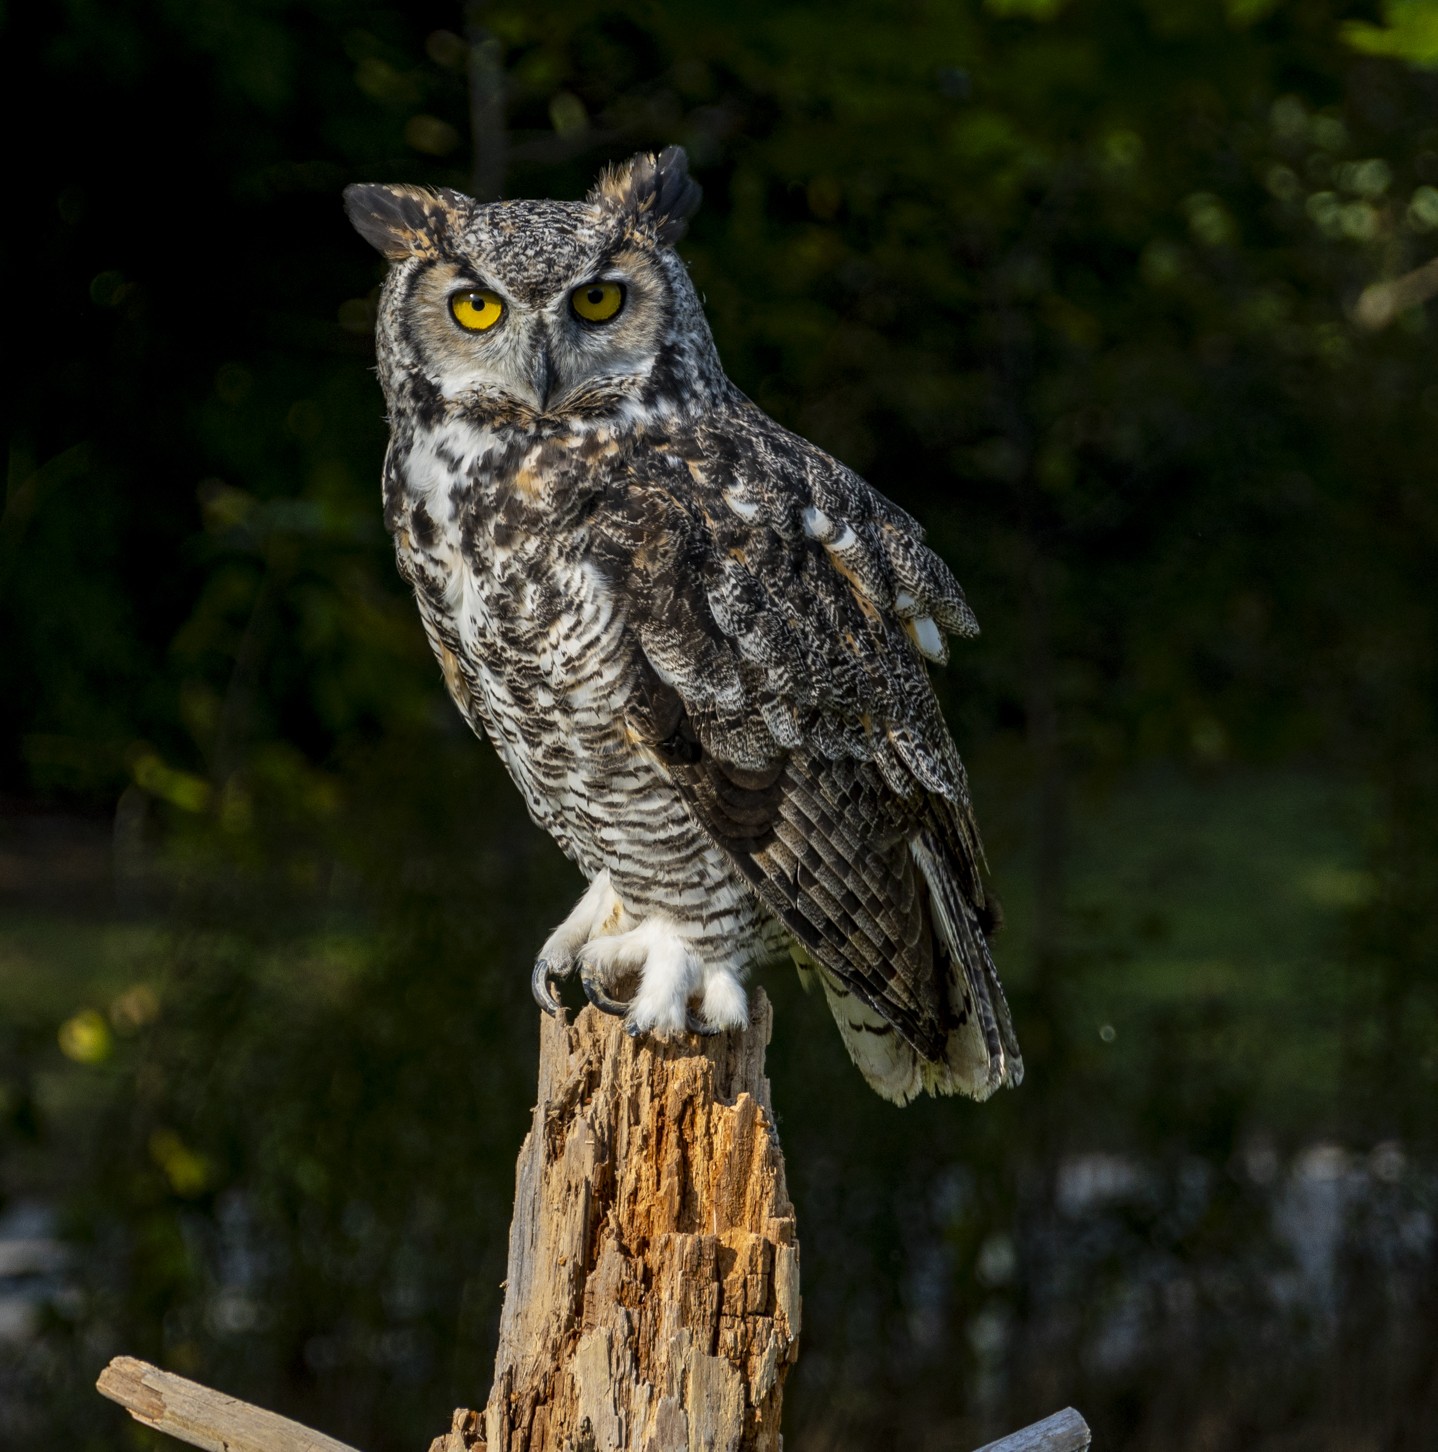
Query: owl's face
point(535, 305)
point(537, 310)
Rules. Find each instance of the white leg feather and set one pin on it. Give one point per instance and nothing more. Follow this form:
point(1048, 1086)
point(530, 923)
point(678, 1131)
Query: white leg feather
point(598, 911)
point(677, 988)
point(726, 1002)
point(668, 972)
point(591, 916)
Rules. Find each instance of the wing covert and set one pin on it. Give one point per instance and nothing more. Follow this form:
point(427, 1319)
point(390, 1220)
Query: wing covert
point(773, 597)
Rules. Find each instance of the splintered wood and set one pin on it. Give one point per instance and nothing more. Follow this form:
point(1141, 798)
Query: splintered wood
point(653, 1294)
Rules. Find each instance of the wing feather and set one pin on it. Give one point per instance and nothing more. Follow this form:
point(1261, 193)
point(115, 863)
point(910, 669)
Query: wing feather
point(781, 612)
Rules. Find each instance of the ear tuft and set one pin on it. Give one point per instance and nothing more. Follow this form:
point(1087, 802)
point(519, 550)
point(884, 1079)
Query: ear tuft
point(403, 221)
point(653, 193)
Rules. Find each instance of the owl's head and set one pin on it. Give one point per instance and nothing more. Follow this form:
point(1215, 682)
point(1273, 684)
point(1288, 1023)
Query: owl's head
point(537, 311)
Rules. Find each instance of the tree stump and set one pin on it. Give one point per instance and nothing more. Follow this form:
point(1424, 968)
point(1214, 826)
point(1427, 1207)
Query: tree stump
point(652, 1302)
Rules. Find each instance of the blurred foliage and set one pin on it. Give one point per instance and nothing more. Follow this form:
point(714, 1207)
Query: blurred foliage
point(1075, 283)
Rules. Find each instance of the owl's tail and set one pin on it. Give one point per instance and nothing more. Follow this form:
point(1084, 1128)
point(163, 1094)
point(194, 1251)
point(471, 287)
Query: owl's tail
point(981, 1053)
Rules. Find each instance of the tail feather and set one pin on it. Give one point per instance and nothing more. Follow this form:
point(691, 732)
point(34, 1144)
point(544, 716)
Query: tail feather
point(892, 1067)
point(982, 1053)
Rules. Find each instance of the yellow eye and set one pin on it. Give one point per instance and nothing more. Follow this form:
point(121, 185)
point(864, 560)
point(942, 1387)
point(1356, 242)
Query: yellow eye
point(477, 310)
point(597, 302)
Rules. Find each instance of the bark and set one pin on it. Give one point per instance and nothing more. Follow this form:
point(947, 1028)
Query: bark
point(652, 1301)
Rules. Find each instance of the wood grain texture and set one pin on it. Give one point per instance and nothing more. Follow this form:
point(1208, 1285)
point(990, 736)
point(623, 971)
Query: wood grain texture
point(652, 1302)
point(202, 1417)
point(466, 1433)
point(1065, 1431)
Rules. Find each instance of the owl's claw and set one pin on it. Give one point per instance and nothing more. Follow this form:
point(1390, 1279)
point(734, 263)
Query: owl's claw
point(541, 984)
point(597, 993)
point(692, 1023)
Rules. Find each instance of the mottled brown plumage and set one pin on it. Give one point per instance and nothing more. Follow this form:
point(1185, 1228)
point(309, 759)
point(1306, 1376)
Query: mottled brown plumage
point(698, 642)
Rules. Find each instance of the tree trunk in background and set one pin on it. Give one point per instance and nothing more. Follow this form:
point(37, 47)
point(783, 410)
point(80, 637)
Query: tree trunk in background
point(652, 1300)
point(488, 125)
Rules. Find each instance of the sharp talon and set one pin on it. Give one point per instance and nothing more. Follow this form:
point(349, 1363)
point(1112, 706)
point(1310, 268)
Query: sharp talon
point(596, 993)
point(633, 1030)
point(541, 984)
point(697, 1025)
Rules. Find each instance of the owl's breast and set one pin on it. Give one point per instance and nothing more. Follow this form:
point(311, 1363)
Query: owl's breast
point(529, 631)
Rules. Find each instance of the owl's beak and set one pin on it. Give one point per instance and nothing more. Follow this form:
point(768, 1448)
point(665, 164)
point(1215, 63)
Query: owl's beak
point(543, 379)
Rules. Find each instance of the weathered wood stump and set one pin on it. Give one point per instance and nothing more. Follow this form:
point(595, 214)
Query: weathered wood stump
point(652, 1301)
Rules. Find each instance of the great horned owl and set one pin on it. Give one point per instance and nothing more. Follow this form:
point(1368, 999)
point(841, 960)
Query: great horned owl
point(697, 641)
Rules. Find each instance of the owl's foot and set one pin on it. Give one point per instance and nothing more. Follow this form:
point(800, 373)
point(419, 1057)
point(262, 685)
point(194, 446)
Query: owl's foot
point(670, 978)
point(542, 982)
point(667, 971)
point(598, 911)
point(725, 1001)
point(590, 978)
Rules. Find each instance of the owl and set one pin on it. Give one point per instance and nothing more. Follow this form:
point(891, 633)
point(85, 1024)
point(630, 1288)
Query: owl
point(699, 644)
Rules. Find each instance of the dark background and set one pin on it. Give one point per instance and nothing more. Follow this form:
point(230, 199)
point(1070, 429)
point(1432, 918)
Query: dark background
point(1079, 284)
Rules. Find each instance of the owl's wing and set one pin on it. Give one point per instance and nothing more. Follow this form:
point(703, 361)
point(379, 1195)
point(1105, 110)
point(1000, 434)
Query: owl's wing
point(781, 611)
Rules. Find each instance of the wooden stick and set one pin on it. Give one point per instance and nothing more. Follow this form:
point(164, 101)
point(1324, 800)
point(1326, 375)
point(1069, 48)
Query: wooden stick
point(202, 1417)
point(1065, 1431)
